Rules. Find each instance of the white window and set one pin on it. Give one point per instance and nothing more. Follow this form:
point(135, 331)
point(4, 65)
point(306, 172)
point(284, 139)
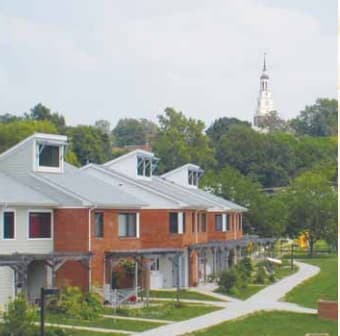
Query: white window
point(49, 157)
point(127, 225)
point(144, 166)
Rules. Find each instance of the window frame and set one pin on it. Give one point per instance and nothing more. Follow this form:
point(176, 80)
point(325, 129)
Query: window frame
point(145, 164)
point(28, 223)
point(47, 169)
point(95, 224)
point(221, 216)
point(177, 222)
point(204, 222)
point(3, 224)
point(135, 215)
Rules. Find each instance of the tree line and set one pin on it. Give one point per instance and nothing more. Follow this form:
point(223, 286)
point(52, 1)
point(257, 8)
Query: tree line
point(294, 156)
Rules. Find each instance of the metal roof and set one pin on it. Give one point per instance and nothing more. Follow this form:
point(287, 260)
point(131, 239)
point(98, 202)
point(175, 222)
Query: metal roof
point(13, 192)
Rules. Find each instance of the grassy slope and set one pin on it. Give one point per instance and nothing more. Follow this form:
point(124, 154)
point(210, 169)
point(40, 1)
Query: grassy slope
point(184, 294)
point(165, 312)
point(272, 324)
point(322, 286)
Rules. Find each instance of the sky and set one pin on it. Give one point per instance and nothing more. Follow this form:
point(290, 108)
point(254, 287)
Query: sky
point(110, 59)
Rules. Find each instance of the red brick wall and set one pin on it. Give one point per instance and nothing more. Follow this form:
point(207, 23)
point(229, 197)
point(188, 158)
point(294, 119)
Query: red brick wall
point(234, 231)
point(328, 309)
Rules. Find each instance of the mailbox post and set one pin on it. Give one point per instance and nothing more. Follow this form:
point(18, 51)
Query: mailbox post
point(43, 293)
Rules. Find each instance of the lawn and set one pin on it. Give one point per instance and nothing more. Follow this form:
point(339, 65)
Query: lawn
point(106, 323)
point(272, 324)
point(165, 311)
point(324, 285)
point(184, 294)
point(74, 332)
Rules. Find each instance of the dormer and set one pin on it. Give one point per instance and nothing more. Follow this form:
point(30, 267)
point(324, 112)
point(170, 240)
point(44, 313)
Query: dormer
point(48, 153)
point(187, 175)
point(138, 164)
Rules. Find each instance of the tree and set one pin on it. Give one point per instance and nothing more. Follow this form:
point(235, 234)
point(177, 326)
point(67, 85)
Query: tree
point(104, 126)
point(89, 144)
point(273, 123)
point(320, 119)
point(7, 117)
point(41, 112)
point(312, 204)
point(15, 131)
point(181, 140)
point(130, 131)
point(221, 127)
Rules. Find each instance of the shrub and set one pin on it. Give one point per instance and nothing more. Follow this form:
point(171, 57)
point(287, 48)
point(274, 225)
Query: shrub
point(271, 277)
point(18, 320)
point(74, 303)
point(228, 279)
point(260, 277)
point(245, 269)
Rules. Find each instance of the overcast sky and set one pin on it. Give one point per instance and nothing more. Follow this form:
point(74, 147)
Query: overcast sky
point(112, 59)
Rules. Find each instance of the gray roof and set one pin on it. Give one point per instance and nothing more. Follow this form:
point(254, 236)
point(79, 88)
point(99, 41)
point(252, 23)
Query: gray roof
point(89, 189)
point(13, 192)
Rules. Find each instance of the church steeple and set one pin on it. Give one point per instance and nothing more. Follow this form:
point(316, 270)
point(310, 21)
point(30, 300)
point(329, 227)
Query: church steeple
point(265, 103)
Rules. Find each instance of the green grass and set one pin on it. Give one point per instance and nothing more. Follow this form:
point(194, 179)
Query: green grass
point(74, 332)
point(272, 324)
point(106, 323)
point(322, 286)
point(167, 311)
point(184, 294)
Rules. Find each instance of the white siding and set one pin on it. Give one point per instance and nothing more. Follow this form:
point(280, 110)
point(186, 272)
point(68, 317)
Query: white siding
point(126, 166)
point(21, 243)
point(6, 286)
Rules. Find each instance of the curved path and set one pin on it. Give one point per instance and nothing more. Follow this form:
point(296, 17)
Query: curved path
point(266, 299)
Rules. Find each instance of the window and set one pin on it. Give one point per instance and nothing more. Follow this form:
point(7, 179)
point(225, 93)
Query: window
point(155, 264)
point(173, 222)
point(8, 228)
point(144, 166)
point(227, 218)
point(49, 156)
point(193, 222)
point(193, 177)
point(40, 225)
point(98, 224)
point(218, 223)
point(204, 222)
point(127, 225)
point(183, 214)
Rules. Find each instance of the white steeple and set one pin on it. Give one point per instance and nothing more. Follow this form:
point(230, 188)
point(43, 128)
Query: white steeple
point(264, 102)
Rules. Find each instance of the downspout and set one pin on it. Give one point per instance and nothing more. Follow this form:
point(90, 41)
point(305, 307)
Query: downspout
point(90, 246)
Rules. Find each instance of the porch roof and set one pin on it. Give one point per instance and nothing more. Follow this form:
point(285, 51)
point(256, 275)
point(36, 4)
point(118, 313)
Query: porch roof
point(142, 252)
point(229, 244)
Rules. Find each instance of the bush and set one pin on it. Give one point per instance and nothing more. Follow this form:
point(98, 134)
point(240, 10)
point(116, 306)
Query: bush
point(74, 303)
point(245, 269)
point(18, 320)
point(228, 279)
point(261, 276)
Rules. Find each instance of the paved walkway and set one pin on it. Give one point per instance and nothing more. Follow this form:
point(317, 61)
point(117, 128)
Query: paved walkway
point(267, 299)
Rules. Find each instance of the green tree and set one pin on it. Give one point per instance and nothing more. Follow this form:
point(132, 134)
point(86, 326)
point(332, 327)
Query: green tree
point(41, 112)
point(131, 131)
point(273, 123)
point(312, 204)
point(232, 185)
point(221, 127)
point(89, 144)
point(104, 126)
point(19, 318)
point(15, 131)
point(319, 119)
point(181, 140)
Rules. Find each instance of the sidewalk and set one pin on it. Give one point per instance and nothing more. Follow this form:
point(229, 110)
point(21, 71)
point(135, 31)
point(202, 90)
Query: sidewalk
point(267, 299)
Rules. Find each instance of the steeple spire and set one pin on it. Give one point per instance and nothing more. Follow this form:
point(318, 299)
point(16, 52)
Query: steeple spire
point(264, 63)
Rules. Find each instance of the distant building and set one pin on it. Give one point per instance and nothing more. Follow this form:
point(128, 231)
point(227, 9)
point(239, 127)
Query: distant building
point(265, 103)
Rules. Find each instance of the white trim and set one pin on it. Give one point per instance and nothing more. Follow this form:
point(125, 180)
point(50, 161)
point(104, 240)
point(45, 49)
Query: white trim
point(224, 222)
point(2, 222)
point(28, 223)
point(137, 225)
point(180, 222)
point(176, 170)
point(136, 151)
point(36, 157)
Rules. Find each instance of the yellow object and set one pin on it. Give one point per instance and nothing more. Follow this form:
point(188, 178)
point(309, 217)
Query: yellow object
point(302, 240)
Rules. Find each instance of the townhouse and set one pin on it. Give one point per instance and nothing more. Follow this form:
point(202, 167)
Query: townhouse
point(64, 225)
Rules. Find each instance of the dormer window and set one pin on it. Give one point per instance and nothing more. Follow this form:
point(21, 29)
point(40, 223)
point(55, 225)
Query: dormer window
point(144, 166)
point(49, 157)
point(194, 176)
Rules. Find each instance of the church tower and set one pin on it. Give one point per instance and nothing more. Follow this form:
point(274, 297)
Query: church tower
point(265, 103)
